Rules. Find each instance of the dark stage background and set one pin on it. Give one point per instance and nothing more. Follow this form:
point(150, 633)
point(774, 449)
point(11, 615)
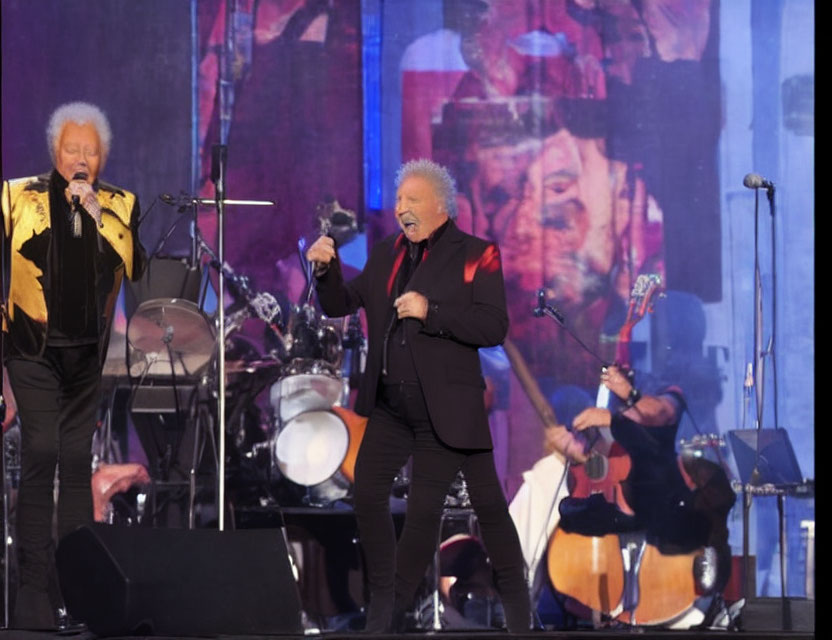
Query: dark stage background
point(130, 58)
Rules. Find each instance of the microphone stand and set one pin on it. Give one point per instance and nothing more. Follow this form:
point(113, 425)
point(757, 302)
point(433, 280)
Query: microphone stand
point(219, 160)
point(545, 309)
point(759, 382)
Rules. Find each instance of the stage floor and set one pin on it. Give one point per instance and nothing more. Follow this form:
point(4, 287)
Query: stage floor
point(643, 634)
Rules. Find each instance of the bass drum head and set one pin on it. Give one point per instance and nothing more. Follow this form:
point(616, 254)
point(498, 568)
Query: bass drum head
point(311, 447)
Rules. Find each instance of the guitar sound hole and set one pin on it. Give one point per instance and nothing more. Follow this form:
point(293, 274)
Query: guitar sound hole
point(596, 467)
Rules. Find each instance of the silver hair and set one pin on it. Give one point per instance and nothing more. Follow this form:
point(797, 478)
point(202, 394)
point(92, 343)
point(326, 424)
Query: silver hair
point(437, 175)
point(79, 113)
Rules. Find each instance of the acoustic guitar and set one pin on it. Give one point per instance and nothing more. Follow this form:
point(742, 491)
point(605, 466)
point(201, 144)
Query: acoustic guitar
point(609, 464)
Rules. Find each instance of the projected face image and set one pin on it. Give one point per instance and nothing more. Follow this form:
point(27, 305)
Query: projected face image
point(566, 233)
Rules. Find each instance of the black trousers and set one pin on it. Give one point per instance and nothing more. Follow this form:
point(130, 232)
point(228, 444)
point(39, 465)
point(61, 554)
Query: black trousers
point(398, 428)
point(57, 401)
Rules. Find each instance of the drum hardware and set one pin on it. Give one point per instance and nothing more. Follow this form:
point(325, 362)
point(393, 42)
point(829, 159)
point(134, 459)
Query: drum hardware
point(170, 345)
point(460, 567)
point(175, 327)
point(110, 476)
point(311, 445)
point(262, 305)
point(172, 351)
point(104, 450)
point(457, 495)
point(355, 351)
point(310, 440)
point(310, 337)
point(203, 433)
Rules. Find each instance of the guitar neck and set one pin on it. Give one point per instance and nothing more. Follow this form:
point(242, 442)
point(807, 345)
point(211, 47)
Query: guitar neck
point(529, 384)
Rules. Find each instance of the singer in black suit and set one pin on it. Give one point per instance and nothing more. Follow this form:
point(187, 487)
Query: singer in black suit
point(432, 295)
point(69, 240)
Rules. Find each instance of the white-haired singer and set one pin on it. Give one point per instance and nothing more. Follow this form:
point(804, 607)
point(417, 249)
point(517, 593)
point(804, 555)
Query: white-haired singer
point(433, 295)
point(70, 240)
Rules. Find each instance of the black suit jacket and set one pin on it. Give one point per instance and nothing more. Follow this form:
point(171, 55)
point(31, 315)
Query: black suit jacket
point(462, 278)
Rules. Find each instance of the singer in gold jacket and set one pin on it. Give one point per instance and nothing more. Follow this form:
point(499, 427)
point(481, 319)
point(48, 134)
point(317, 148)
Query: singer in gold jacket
point(68, 241)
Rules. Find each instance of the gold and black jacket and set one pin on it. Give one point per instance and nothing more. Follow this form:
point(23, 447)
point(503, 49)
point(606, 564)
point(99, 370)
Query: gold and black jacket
point(27, 238)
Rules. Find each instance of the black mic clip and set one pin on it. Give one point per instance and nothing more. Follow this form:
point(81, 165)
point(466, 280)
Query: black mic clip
point(540, 309)
point(181, 202)
point(544, 309)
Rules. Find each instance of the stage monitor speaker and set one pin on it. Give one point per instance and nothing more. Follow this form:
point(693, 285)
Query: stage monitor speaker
point(129, 580)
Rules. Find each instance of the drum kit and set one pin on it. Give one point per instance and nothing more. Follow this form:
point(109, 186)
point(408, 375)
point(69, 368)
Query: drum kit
point(291, 439)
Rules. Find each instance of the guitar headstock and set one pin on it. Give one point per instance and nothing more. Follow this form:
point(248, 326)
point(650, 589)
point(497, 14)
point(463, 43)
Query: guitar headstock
point(642, 297)
point(645, 289)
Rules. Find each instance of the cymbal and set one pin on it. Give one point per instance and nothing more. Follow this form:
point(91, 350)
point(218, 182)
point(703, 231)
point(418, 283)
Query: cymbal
point(171, 322)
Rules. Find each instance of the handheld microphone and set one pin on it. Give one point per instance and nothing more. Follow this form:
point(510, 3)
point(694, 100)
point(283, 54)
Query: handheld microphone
point(75, 204)
point(755, 181)
point(79, 175)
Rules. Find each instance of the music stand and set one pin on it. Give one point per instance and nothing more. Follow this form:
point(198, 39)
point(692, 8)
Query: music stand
point(767, 466)
point(765, 456)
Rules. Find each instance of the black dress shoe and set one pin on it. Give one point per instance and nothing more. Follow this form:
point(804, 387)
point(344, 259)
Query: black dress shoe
point(69, 626)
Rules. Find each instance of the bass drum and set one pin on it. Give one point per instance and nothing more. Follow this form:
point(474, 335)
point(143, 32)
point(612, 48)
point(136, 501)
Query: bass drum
point(317, 449)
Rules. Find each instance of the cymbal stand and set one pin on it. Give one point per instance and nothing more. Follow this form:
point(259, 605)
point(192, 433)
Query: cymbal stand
point(263, 304)
point(203, 422)
point(104, 451)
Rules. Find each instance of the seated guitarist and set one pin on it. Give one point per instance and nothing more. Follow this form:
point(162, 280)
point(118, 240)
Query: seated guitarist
point(663, 504)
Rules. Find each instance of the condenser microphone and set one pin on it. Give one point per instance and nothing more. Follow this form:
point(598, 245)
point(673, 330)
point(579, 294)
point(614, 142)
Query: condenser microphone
point(755, 181)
